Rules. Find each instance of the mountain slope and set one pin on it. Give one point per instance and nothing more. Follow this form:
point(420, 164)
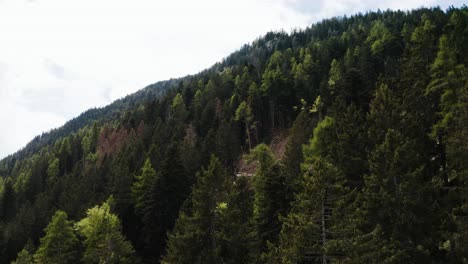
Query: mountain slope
point(374, 168)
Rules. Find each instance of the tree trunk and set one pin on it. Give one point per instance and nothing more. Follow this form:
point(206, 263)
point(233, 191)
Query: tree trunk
point(248, 135)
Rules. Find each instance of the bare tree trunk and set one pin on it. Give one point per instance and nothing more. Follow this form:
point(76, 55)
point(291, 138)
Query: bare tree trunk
point(248, 135)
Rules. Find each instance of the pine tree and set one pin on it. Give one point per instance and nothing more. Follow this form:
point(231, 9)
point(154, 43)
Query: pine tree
point(197, 236)
point(395, 199)
point(271, 195)
point(315, 229)
point(53, 171)
point(457, 167)
point(238, 225)
point(384, 113)
point(299, 134)
point(341, 139)
point(450, 85)
point(103, 240)
point(141, 189)
point(59, 245)
point(274, 79)
point(24, 257)
point(395, 204)
point(244, 114)
point(146, 194)
point(7, 201)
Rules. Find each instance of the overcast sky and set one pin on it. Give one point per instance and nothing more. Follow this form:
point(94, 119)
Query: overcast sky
point(59, 58)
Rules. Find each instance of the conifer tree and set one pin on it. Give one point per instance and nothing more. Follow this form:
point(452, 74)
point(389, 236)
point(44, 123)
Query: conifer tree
point(146, 194)
point(197, 236)
point(59, 245)
point(103, 240)
point(315, 229)
point(7, 201)
point(299, 134)
point(384, 113)
point(449, 83)
point(24, 257)
point(238, 225)
point(271, 195)
point(142, 187)
point(395, 200)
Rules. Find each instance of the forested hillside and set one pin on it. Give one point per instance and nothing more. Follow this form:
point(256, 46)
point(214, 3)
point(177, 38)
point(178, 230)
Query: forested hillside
point(373, 110)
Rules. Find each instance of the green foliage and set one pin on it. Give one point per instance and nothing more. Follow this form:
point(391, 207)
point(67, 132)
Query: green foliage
point(335, 74)
point(103, 240)
point(8, 201)
point(142, 187)
point(271, 195)
point(197, 236)
point(178, 108)
point(299, 134)
point(380, 38)
point(53, 170)
point(314, 229)
point(318, 143)
point(238, 228)
point(263, 155)
point(24, 257)
point(384, 113)
point(59, 245)
point(395, 199)
point(385, 138)
point(244, 113)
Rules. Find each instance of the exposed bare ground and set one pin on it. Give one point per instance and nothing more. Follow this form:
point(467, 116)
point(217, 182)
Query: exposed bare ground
point(277, 146)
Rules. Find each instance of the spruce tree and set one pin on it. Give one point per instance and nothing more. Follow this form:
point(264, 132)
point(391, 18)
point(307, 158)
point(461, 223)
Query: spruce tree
point(59, 245)
point(271, 195)
point(238, 226)
point(299, 135)
point(197, 236)
point(141, 190)
point(146, 192)
point(395, 199)
point(24, 257)
point(315, 230)
point(103, 240)
point(450, 85)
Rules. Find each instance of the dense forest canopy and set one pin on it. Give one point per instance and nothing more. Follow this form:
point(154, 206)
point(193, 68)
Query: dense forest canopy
point(345, 142)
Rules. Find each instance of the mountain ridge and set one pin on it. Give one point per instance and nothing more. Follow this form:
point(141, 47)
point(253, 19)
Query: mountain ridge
point(340, 142)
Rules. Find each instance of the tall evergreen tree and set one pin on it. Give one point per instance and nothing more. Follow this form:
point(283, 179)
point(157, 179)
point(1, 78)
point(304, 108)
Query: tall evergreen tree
point(299, 134)
point(450, 84)
point(271, 195)
point(24, 257)
point(244, 114)
point(8, 201)
point(238, 226)
point(315, 229)
point(395, 199)
point(146, 192)
point(103, 240)
point(197, 236)
point(59, 245)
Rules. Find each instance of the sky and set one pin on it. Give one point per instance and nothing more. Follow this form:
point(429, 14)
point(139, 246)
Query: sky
point(59, 58)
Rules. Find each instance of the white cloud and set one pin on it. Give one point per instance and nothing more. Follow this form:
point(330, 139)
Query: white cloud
point(319, 9)
point(59, 58)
